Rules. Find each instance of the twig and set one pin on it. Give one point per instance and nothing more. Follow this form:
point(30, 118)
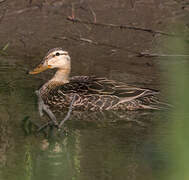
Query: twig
point(95, 43)
point(22, 11)
point(44, 126)
point(93, 13)
point(73, 11)
point(1, 1)
point(138, 54)
point(68, 114)
point(31, 8)
point(120, 26)
point(132, 4)
point(145, 54)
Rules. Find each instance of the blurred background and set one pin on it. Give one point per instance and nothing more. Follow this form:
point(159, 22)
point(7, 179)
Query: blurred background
point(140, 42)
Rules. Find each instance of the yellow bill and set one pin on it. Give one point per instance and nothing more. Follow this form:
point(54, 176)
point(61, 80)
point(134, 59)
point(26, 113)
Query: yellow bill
point(40, 68)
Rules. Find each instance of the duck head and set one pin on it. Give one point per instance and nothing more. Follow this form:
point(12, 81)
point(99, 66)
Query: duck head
point(55, 58)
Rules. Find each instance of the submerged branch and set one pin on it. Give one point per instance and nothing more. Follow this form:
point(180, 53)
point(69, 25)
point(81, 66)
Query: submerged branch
point(1, 1)
point(120, 26)
point(146, 54)
point(135, 53)
point(44, 126)
point(96, 43)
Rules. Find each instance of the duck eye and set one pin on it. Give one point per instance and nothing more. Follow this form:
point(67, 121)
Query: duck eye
point(57, 54)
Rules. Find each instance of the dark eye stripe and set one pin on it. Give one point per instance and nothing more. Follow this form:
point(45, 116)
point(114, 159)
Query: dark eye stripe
point(58, 54)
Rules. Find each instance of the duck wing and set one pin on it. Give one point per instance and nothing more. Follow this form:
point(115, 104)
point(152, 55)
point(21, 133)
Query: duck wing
point(87, 85)
point(101, 93)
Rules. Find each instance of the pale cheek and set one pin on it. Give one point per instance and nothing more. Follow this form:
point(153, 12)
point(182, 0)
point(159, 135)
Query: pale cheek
point(60, 63)
point(57, 62)
point(52, 62)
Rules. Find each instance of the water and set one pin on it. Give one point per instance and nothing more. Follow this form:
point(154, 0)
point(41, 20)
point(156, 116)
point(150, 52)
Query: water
point(133, 147)
point(106, 148)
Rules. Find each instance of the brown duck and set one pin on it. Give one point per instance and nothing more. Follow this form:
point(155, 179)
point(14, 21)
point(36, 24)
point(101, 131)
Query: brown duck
point(91, 93)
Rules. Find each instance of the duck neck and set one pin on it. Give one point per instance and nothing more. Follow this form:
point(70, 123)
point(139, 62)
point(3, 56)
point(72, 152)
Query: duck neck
point(61, 77)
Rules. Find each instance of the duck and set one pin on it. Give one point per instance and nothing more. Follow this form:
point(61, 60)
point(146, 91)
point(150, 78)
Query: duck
point(90, 93)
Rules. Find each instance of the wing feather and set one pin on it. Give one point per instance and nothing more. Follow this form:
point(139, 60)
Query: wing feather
point(99, 93)
point(86, 85)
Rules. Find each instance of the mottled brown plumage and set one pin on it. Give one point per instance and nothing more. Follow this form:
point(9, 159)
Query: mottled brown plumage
point(96, 94)
point(90, 93)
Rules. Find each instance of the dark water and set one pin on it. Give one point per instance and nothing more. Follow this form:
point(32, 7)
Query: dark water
point(111, 147)
point(121, 145)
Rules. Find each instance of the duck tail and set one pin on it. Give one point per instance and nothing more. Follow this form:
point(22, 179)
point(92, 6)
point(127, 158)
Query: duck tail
point(158, 105)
